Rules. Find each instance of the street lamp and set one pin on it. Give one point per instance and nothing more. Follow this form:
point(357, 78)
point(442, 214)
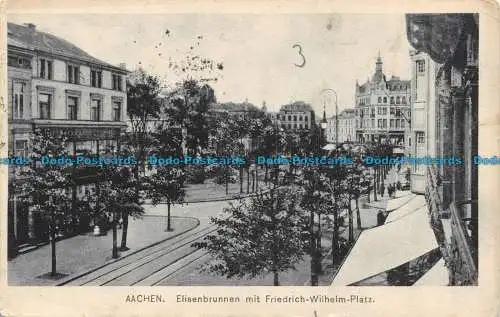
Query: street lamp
point(336, 114)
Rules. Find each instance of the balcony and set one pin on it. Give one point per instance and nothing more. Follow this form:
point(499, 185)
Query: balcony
point(455, 229)
point(463, 245)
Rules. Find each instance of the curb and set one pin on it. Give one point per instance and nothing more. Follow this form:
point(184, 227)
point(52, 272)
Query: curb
point(134, 252)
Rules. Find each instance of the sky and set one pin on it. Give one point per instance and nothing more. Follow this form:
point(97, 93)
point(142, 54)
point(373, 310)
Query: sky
point(257, 51)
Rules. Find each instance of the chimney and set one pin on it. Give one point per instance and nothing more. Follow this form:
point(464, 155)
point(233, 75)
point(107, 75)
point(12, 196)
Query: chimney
point(30, 26)
point(122, 65)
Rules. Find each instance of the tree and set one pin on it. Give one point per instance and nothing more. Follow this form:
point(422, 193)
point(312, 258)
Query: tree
point(166, 185)
point(267, 234)
point(143, 108)
point(116, 195)
point(47, 185)
point(315, 198)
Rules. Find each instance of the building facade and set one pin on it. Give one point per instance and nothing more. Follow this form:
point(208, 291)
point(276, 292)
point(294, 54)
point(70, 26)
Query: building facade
point(346, 129)
point(422, 128)
point(55, 85)
point(382, 108)
point(296, 116)
point(452, 40)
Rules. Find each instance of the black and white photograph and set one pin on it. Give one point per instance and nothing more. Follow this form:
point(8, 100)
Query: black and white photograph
point(238, 149)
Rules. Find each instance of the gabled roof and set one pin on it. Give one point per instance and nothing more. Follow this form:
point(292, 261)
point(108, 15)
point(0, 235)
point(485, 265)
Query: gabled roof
point(297, 106)
point(32, 39)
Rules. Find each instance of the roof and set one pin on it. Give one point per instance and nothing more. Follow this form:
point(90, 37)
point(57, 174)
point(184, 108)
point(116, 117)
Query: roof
point(297, 106)
point(32, 39)
point(234, 107)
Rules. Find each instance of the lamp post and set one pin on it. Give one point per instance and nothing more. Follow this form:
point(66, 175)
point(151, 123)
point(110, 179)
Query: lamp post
point(323, 126)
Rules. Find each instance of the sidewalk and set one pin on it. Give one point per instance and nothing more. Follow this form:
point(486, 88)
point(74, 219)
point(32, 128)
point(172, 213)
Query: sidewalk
point(84, 252)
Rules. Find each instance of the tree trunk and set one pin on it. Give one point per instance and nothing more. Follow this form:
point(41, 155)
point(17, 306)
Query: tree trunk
point(115, 233)
point(375, 185)
point(358, 215)
point(335, 236)
point(53, 250)
point(265, 175)
point(253, 181)
point(123, 246)
point(226, 174)
point(169, 225)
point(248, 180)
point(351, 222)
point(256, 178)
point(241, 180)
point(313, 253)
point(276, 280)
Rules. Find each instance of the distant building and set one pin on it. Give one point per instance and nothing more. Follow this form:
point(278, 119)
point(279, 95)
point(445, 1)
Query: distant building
point(346, 129)
point(382, 107)
point(57, 86)
point(296, 116)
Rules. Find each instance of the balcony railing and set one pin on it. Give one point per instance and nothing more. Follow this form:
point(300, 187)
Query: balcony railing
point(463, 248)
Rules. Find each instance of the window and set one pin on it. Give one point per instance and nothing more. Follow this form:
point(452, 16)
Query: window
point(384, 111)
point(44, 101)
point(283, 126)
point(117, 110)
point(18, 100)
point(379, 99)
point(21, 148)
point(403, 101)
point(300, 126)
point(305, 119)
point(294, 118)
point(73, 74)
point(379, 123)
point(289, 126)
point(117, 82)
point(300, 118)
point(397, 123)
point(95, 110)
point(402, 123)
point(385, 99)
point(398, 100)
point(392, 110)
point(306, 126)
point(96, 78)
point(420, 66)
point(391, 123)
point(373, 123)
point(295, 125)
point(398, 112)
point(45, 68)
point(420, 138)
point(384, 123)
point(289, 118)
point(392, 100)
point(72, 108)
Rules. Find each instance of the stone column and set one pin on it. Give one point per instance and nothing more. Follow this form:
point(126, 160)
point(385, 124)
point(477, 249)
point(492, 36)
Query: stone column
point(459, 139)
point(446, 136)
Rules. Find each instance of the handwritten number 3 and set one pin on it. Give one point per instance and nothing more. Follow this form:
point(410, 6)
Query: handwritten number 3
point(302, 55)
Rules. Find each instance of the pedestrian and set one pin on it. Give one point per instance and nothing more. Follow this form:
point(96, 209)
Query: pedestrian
point(380, 218)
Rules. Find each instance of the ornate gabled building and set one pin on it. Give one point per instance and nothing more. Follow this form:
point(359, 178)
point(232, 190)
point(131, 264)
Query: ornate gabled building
point(382, 106)
point(451, 190)
point(52, 84)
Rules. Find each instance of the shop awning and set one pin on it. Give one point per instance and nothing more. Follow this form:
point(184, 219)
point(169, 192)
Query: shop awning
point(386, 247)
point(396, 203)
point(437, 276)
point(412, 205)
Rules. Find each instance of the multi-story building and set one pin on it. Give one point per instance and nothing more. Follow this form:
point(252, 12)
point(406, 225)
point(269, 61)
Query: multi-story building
point(55, 85)
point(346, 129)
point(422, 128)
point(296, 116)
point(382, 108)
point(448, 128)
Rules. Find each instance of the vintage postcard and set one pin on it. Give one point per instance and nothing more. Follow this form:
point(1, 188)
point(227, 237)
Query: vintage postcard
point(249, 159)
